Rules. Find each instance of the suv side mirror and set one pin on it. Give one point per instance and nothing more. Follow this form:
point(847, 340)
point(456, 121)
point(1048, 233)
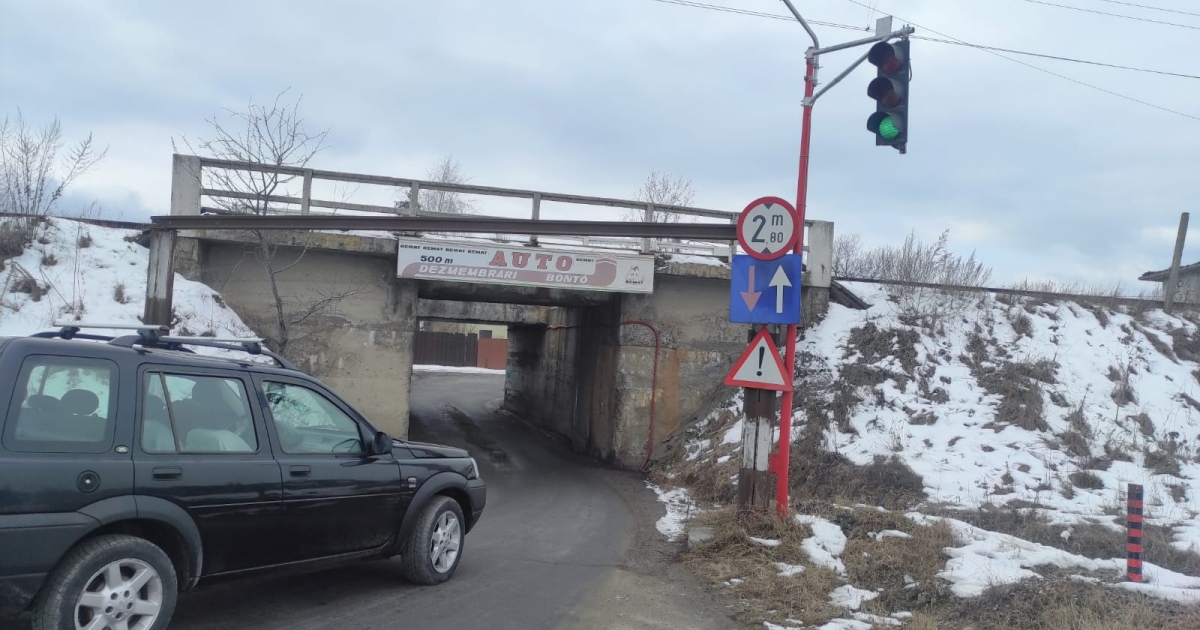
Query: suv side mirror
point(381, 444)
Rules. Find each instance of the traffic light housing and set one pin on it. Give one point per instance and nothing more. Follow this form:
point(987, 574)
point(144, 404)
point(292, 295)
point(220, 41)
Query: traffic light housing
point(889, 89)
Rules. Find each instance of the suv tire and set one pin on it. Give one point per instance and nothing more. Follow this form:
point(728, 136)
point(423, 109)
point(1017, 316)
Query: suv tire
point(121, 577)
point(434, 548)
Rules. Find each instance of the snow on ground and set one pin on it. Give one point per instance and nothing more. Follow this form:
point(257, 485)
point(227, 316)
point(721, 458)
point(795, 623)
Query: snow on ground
point(826, 545)
point(989, 559)
point(1008, 404)
point(970, 453)
point(93, 274)
point(455, 370)
point(679, 509)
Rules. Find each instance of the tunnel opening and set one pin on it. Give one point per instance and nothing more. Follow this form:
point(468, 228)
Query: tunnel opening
point(552, 367)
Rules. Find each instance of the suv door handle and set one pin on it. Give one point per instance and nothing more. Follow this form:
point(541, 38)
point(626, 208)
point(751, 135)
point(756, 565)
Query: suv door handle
point(168, 472)
point(300, 471)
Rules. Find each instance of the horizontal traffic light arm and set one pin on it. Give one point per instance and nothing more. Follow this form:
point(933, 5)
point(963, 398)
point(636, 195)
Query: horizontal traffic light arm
point(845, 73)
point(904, 32)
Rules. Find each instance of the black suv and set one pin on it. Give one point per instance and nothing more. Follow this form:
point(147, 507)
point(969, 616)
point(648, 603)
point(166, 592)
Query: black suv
point(132, 467)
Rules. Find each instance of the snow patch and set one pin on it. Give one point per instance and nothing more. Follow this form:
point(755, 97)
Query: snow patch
point(827, 543)
point(989, 559)
point(104, 282)
point(679, 508)
point(789, 570)
point(847, 596)
point(456, 370)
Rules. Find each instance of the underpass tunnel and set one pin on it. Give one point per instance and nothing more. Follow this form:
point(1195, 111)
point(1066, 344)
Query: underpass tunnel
point(558, 368)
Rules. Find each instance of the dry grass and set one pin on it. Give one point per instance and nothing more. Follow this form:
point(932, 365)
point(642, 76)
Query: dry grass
point(49, 259)
point(1062, 603)
point(821, 476)
point(905, 569)
point(1019, 385)
point(1091, 540)
point(1145, 424)
point(119, 294)
point(1123, 392)
point(1023, 325)
point(15, 236)
point(877, 344)
point(1165, 457)
point(762, 593)
point(1086, 480)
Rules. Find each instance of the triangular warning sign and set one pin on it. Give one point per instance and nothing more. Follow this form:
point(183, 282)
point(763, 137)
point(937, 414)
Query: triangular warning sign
point(760, 366)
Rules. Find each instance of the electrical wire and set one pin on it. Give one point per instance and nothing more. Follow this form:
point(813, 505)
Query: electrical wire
point(1049, 72)
point(1118, 15)
point(761, 14)
point(1058, 58)
point(1146, 6)
point(956, 42)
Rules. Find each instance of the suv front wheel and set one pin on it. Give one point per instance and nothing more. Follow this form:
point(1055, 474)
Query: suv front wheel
point(433, 549)
point(110, 582)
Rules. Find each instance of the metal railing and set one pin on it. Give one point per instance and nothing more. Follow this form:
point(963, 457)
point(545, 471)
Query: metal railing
point(188, 189)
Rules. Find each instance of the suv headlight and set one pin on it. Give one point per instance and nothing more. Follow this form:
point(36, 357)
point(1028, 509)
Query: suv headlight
point(473, 473)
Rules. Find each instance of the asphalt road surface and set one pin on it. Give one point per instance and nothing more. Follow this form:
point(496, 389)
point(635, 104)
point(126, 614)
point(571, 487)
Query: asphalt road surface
point(562, 545)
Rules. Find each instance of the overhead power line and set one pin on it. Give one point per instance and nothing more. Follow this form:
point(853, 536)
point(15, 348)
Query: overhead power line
point(956, 42)
point(1117, 15)
point(1049, 72)
point(761, 14)
point(1146, 6)
point(1058, 58)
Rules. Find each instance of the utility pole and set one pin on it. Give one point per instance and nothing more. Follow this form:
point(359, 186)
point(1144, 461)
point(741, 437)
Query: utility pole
point(1173, 281)
point(781, 460)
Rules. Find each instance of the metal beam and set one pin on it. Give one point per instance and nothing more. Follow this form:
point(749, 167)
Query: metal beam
point(470, 225)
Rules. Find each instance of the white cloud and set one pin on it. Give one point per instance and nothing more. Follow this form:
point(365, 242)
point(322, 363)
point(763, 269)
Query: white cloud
point(1036, 173)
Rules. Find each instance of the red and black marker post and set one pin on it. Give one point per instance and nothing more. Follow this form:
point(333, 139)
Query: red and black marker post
point(1134, 544)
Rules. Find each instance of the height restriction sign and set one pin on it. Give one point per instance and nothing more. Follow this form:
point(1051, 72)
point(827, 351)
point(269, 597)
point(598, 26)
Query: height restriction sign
point(766, 229)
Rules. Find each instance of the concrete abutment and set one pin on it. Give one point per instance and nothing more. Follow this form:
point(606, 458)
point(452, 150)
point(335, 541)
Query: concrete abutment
point(581, 364)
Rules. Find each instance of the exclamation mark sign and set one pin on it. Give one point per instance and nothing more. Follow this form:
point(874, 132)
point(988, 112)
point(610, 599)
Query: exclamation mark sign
point(762, 354)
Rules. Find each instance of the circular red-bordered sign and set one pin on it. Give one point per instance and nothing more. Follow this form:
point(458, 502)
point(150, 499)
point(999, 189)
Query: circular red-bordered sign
point(767, 228)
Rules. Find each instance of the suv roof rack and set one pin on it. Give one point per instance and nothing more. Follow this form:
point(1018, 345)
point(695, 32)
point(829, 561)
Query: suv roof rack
point(156, 336)
point(71, 330)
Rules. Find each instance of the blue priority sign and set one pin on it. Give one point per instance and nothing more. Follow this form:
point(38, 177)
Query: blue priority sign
point(765, 291)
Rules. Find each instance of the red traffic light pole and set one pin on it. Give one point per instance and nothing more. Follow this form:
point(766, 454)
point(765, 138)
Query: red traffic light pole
point(781, 461)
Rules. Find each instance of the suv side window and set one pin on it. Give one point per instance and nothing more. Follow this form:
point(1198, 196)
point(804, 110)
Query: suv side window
point(184, 413)
point(63, 405)
point(307, 422)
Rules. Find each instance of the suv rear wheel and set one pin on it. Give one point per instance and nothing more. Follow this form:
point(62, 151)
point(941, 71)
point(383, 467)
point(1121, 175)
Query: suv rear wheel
point(110, 582)
point(433, 549)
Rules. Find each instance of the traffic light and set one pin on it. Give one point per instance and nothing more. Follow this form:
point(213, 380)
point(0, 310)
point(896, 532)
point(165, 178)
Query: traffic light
point(889, 123)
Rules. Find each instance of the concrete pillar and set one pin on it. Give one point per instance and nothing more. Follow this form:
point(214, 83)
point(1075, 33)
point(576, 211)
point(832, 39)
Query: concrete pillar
point(373, 369)
point(160, 278)
point(819, 261)
point(185, 200)
point(697, 346)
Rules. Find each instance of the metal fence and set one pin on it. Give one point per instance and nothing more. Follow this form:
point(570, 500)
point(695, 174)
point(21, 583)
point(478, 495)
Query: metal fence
point(189, 188)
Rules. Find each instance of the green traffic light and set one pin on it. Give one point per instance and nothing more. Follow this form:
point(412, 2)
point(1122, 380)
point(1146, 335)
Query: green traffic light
point(887, 129)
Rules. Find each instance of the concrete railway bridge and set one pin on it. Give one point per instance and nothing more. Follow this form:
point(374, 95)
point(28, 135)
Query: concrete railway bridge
point(618, 330)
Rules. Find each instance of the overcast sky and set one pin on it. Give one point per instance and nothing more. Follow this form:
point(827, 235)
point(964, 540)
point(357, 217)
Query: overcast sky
point(1044, 177)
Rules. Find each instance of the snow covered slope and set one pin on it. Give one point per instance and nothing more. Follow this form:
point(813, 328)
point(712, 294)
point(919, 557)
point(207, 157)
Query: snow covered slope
point(74, 271)
point(1027, 415)
point(1054, 405)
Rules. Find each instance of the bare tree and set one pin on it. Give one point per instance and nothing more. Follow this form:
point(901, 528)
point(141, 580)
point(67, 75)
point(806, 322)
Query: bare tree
point(661, 189)
point(446, 171)
point(848, 259)
point(33, 178)
point(269, 135)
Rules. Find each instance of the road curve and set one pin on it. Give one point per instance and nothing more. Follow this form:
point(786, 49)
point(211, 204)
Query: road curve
point(563, 545)
point(549, 532)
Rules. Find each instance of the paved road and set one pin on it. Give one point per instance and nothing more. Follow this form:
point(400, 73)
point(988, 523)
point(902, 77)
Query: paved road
point(562, 545)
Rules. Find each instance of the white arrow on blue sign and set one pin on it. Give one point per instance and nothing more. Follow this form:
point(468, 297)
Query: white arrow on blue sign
point(765, 291)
